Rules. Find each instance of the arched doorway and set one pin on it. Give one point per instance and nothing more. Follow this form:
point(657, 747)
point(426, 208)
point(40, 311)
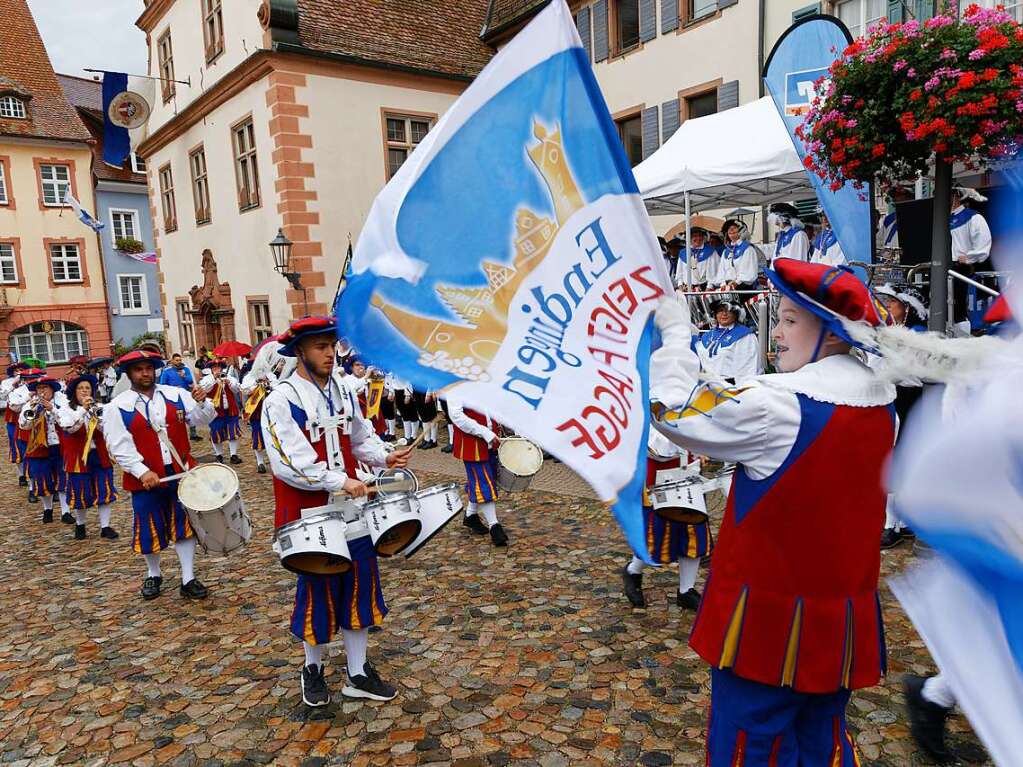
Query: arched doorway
point(212, 312)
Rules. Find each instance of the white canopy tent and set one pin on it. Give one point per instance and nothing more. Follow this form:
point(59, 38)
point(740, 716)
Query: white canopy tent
point(742, 156)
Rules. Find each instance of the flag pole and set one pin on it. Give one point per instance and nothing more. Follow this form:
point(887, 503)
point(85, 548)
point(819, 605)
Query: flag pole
point(187, 81)
point(344, 269)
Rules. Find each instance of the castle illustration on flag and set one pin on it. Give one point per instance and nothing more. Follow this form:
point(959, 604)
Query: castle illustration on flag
point(466, 349)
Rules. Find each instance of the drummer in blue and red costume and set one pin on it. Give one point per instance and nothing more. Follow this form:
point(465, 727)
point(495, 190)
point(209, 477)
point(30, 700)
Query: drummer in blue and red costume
point(790, 619)
point(304, 415)
point(475, 444)
point(146, 431)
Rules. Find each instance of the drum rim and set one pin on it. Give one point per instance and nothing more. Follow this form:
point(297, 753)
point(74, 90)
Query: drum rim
point(435, 489)
point(502, 465)
point(293, 525)
point(389, 498)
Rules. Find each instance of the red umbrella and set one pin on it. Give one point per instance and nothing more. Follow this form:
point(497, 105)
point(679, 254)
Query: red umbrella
point(232, 349)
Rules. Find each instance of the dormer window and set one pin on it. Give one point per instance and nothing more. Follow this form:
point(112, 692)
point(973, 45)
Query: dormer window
point(12, 107)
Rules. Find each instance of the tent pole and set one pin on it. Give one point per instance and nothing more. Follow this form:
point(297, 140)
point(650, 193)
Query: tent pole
point(689, 253)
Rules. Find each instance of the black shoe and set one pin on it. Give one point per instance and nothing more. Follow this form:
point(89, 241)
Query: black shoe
point(261, 469)
point(424, 445)
point(235, 460)
point(195, 437)
point(22, 482)
point(688, 601)
point(448, 448)
point(32, 498)
point(907, 533)
point(387, 438)
point(194, 590)
point(474, 523)
point(47, 515)
point(369, 685)
point(151, 587)
point(220, 459)
point(633, 587)
point(498, 536)
point(66, 518)
point(890, 538)
point(432, 445)
point(926, 719)
point(314, 688)
point(108, 532)
point(79, 532)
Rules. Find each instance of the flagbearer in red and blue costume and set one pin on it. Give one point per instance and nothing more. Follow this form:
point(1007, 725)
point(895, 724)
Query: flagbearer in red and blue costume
point(146, 432)
point(316, 435)
point(790, 619)
point(38, 420)
point(475, 445)
point(223, 390)
point(667, 541)
point(90, 473)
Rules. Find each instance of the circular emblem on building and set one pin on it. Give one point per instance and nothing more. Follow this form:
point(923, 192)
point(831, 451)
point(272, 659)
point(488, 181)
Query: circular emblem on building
point(128, 110)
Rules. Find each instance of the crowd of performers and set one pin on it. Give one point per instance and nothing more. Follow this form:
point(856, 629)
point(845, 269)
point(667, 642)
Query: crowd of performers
point(790, 624)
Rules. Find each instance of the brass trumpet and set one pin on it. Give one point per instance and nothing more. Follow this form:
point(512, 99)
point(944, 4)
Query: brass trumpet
point(32, 409)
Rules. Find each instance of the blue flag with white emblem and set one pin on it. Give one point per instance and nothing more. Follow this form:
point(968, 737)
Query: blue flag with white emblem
point(511, 258)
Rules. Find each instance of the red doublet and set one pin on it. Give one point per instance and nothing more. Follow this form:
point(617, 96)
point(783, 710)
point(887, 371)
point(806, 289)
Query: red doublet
point(289, 501)
point(220, 393)
point(468, 447)
point(148, 443)
point(791, 599)
point(72, 446)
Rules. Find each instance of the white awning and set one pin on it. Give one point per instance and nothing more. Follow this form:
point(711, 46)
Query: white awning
point(742, 156)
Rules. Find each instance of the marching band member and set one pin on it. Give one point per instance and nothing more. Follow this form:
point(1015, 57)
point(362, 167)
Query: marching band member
point(7, 387)
point(223, 389)
point(146, 431)
point(790, 619)
point(387, 409)
point(826, 248)
point(405, 403)
point(729, 350)
point(90, 474)
point(42, 452)
point(19, 397)
point(792, 241)
point(740, 262)
point(316, 437)
point(255, 387)
point(666, 540)
point(700, 259)
point(971, 235)
point(476, 446)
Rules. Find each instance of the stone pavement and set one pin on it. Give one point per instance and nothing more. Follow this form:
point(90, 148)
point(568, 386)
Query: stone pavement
point(523, 656)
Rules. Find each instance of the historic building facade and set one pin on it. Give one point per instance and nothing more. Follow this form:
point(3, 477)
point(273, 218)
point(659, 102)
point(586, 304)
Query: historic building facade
point(53, 302)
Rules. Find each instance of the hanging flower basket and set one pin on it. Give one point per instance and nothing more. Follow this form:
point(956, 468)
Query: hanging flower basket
point(950, 89)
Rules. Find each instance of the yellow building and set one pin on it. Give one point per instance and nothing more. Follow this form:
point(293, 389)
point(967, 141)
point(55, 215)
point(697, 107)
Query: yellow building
point(52, 296)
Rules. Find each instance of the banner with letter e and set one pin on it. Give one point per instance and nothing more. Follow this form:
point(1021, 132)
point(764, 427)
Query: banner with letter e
point(511, 257)
point(796, 70)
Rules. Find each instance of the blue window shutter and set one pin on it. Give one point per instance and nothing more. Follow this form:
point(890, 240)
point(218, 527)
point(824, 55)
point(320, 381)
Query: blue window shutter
point(669, 16)
point(669, 119)
point(600, 42)
point(651, 133)
point(647, 20)
point(582, 23)
point(728, 95)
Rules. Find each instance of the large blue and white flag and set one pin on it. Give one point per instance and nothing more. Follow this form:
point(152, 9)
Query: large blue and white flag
point(800, 58)
point(511, 257)
point(83, 215)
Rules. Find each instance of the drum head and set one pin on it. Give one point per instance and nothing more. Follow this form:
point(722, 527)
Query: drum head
point(398, 537)
point(316, 563)
point(520, 456)
point(209, 487)
point(396, 481)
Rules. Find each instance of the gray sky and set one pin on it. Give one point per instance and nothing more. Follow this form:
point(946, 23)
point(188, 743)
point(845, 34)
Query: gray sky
point(100, 34)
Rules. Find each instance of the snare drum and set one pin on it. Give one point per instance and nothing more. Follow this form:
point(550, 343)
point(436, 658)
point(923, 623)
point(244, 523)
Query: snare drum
point(393, 521)
point(438, 505)
point(518, 461)
point(680, 500)
point(314, 545)
point(210, 494)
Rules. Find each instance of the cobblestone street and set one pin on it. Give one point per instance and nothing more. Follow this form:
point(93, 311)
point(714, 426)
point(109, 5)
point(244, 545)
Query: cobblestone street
point(528, 655)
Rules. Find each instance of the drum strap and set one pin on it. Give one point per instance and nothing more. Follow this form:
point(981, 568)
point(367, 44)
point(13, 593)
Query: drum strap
point(330, 427)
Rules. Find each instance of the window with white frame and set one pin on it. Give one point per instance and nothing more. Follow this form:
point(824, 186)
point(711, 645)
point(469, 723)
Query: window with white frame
point(403, 135)
point(12, 107)
point(65, 262)
point(54, 342)
point(4, 200)
point(54, 180)
point(124, 224)
point(860, 15)
point(132, 289)
point(138, 165)
point(186, 332)
point(8, 264)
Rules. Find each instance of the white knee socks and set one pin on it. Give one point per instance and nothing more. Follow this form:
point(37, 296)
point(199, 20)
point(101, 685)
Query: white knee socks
point(390, 426)
point(21, 469)
point(313, 654)
point(47, 502)
point(233, 446)
point(687, 570)
point(937, 691)
point(186, 556)
point(432, 435)
point(260, 458)
point(153, 564)
point(489, 512)
point(79, 516)
point(356, 643)
point(636, 566)
point(64, 508)
point(216, 449)
point(104, 515)
point(470, 508)
point(451, 434)
point(891, 519)
point(410, 429)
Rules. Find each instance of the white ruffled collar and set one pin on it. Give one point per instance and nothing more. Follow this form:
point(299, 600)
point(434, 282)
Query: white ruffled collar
point(839, 380)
